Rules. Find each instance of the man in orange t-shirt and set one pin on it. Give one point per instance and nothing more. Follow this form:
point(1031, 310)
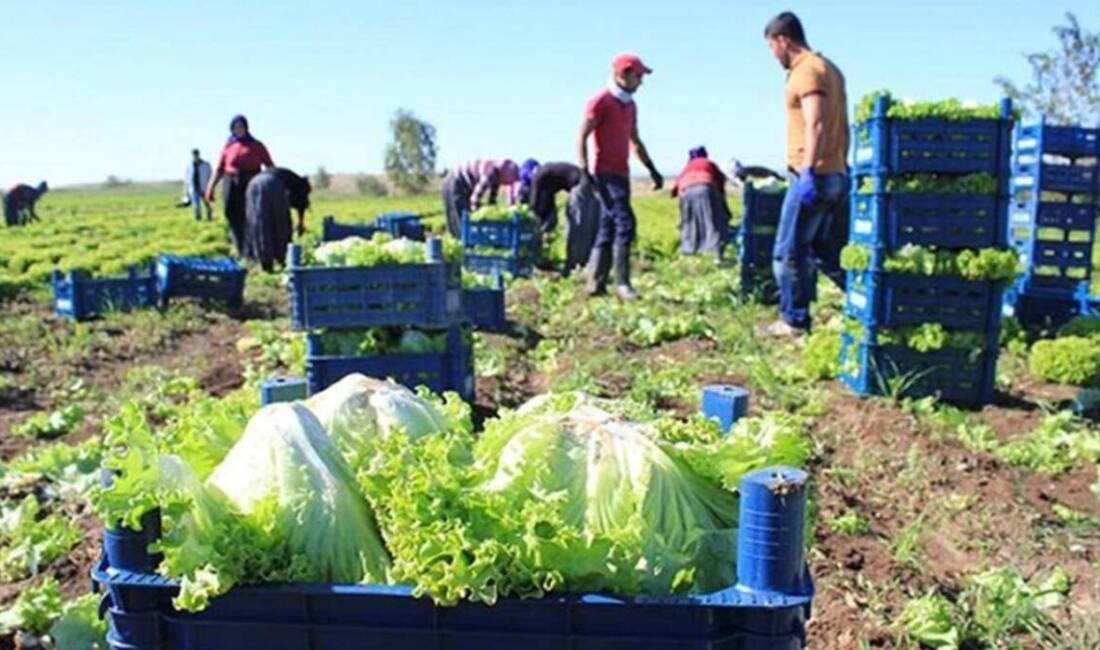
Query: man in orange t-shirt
point(813, 226)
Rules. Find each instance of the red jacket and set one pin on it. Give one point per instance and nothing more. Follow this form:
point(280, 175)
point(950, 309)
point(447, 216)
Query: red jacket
point(698, 172)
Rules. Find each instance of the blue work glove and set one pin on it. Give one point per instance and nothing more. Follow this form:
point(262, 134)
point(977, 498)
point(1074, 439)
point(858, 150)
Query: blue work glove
point(804, 187)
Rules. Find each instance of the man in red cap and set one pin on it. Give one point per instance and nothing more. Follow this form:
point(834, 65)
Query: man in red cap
point(611, 117)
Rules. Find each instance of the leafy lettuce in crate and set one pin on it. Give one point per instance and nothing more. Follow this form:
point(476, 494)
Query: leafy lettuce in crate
point(380, 250)
point(358, 408)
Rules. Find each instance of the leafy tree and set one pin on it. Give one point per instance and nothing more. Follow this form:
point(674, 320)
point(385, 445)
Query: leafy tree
point(410, 157)
point(1065, 82)
point(322, 180)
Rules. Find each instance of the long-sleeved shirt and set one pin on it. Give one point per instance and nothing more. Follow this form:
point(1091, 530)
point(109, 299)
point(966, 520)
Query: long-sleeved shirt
point(483, 177)
point(244, 156)
point(614, 121)
point(698, 172)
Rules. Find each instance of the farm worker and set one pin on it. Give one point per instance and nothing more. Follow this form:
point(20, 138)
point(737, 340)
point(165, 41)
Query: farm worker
point(610, 118)
point(814, 219)
point(195, 180)
point(242, 157)
point(704, 214)
point(268, 200)
point(550, 179)
point(520, 191)
point(472, 185)
point(19, 203)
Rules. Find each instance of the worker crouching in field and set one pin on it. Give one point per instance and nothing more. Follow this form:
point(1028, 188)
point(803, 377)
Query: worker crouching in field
point(520, 192)
point(268, 230)
point(704, 214)
point(473, 184)
point(550, 179)
point(19, 203)
point(611, 119)
point(813, 225)
point(242, 158)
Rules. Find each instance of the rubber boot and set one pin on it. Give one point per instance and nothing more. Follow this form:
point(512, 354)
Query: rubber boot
point(599, 265)
point(622, 273)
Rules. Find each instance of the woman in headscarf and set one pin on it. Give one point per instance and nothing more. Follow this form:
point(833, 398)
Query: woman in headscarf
point(472, 185)
point(520, 192)
point(242, 158)
point(269, 199)
point(704, 214)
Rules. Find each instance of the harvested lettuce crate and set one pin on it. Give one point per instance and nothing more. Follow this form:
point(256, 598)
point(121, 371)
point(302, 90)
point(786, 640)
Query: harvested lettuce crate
point(893, 300)
point(407, 295)
point(498, 264)
point(214, 279)
point(501, 245)
point(1037, 176)
point(1035, 308)
point(894, 219)
point(885, 145)
point(333, 231)
point(1067, 141)
point(78, 296)
point(485, 307)
point(452, 369)
point(401, 224)
point(954, 375)
point(766, 610)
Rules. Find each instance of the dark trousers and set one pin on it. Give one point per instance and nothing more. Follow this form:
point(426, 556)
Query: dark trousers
point(617, 222)
point(456, 201)
point(236, 186)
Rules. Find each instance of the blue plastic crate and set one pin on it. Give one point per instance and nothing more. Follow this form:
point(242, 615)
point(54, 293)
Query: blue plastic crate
point(766, 610)
point(407, 295)
point(515, 237)
point(333, 231)
point(283, 389)
point(1067, 141)
point(961, 376)
point(894, 300)
point(498, 264)
point(1039, 309)
point(220, 279)
point(885, 145)
point(78, 296)
point(756, 242)
point(439, 371)
point(485, 307)
point(893, 220)
point(1037, 177)
point(401, 224)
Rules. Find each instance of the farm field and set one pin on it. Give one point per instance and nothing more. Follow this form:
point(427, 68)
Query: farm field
point(932, 524)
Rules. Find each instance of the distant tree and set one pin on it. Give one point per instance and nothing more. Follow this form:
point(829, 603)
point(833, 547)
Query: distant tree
point(410, 157)
point(115, 181)
point(322, 180)
point(1065, 82)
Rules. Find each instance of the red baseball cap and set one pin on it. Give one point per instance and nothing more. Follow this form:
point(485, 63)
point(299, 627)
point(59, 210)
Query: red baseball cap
point(625, 62)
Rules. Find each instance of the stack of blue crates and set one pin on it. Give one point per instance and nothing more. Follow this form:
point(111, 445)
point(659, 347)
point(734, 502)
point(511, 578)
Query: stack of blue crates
point(1052, 223)
point(756, 240)
point(404, 225)
point(423, 296)
point(511, 245)
point(885, 221)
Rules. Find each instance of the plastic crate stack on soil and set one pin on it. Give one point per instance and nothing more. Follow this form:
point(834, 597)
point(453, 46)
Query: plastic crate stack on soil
point(501, 240)
point(403, 321)
point(927, 258)
point(756, 239)
point(1052, 222)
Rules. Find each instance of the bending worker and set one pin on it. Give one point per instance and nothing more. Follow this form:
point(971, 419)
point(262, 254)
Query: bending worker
point(704, 214)
point(19, 203)
point(473, 184)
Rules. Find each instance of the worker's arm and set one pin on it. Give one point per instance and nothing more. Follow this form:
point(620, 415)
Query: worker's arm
point(814, 114)
point(643, 155)
point(587, 127)
point(213, 184)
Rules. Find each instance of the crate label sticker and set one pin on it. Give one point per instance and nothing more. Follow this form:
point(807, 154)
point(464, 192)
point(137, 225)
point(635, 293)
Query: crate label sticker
point(454, 301)
point(1026, 159)
point(864, 226)
point(1026, 143)
point(857, 300)
point(1024, 181)
point(863, 154)
point(64, 304)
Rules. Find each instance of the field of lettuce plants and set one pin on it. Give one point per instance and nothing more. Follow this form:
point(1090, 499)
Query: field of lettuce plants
point(930, 525)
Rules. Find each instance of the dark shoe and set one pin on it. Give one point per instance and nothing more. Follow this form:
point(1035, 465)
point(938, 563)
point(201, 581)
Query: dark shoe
point(599, 265)
point(622, 273)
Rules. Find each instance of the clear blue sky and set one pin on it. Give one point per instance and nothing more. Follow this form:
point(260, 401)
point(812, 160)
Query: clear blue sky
point(127, 88)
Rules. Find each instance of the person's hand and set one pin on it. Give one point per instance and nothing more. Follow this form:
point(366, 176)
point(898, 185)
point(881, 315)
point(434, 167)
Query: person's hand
point(804, 187)
point(658, 180)
point(209, 196)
